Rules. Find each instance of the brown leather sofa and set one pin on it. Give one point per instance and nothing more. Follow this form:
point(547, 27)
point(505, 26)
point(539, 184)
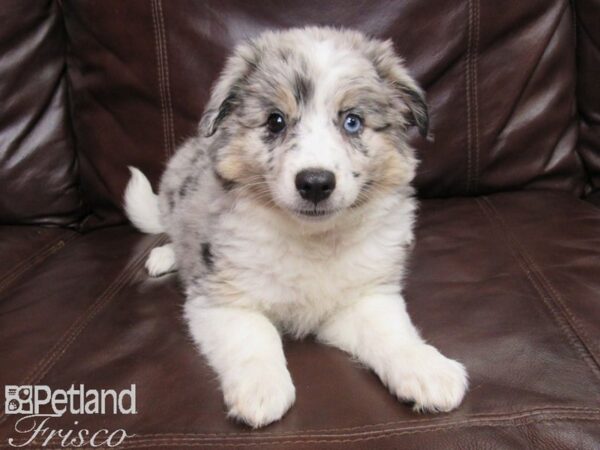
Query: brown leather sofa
point(505, 276)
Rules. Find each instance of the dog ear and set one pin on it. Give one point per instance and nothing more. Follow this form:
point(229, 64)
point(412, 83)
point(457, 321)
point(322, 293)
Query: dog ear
point(226, 94)
point(415, 99)
point(390, 68)
point(213, 117)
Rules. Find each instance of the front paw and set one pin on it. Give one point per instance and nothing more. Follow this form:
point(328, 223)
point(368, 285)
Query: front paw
point(260, 395)
point(433, 382)
point(160, 261)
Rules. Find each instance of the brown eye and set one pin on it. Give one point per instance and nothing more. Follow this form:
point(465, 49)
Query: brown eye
point(275, 123)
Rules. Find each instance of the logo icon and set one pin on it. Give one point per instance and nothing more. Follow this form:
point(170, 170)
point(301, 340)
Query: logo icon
point(19, 399)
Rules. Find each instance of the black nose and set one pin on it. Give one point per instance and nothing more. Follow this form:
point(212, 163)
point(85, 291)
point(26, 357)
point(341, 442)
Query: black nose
point(315, 185)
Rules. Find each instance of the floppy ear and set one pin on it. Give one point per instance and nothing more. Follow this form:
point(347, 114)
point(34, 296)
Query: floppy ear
point(415, 99)
point(225, 95)
point(390, 68)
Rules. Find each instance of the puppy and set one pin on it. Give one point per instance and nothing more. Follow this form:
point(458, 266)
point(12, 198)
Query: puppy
point(291, 211)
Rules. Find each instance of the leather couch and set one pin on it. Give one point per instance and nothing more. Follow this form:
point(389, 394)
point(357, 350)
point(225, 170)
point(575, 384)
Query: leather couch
point(505, 275)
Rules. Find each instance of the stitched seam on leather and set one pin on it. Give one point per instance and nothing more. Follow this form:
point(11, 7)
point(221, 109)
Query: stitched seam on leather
point(163, 77)
point(575, 322)
point(261, 439)
point(159, 74)
point(159, 64)
point(468, 91)
point(64, 342)
point(544, 293)
point(36, 258)
point(379, 435)
point(575, 325)
point(166, 67)
point(475, 98)
point(578, 327)
point(374, 427)
point(471, 63)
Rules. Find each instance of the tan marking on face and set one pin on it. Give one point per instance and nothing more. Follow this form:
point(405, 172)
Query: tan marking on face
point(240, 167)
point(284, 98)
point(391, 168)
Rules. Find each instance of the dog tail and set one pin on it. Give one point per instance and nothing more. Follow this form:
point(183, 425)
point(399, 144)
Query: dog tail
point(141, 204)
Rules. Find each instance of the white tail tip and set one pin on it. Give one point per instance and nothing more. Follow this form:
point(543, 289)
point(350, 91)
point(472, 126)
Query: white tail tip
point(141, 203)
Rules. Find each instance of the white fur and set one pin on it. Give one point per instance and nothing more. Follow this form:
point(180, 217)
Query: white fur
point(327, 285)
point(161, 260)
point(268, 271)
point(320, 141)
point(141, 204)
point(244, 348)
point(411, 369)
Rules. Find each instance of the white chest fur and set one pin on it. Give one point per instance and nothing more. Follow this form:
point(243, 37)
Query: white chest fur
point(297, 279)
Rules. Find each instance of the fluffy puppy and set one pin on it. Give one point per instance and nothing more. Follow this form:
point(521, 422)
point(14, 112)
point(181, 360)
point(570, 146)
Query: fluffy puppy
point(291, 211)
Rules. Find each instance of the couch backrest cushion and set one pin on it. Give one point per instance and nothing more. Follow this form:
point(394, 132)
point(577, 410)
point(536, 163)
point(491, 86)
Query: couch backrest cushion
point(500, 82)
point(38, 167)
point(588, 88)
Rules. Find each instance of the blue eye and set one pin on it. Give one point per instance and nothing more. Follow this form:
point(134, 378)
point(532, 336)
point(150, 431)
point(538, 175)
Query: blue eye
point(352, 123)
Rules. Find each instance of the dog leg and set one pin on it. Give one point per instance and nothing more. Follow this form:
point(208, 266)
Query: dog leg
point(378, 331)
point(161, 260)
point(245, 350)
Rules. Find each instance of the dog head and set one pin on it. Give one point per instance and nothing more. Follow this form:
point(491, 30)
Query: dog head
point(312, 122)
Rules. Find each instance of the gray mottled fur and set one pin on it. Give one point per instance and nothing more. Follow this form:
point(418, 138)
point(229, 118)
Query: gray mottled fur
point(263, 75)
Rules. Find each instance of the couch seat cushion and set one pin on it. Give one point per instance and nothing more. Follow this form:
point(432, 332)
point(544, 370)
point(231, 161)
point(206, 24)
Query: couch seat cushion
point(508, 284)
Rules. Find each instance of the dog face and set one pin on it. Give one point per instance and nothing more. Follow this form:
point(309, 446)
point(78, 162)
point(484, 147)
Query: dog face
point(312, 122)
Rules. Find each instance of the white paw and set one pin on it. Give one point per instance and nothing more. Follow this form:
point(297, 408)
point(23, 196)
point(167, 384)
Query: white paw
point(260, 396)
point(161, 260)
point(435, 383)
